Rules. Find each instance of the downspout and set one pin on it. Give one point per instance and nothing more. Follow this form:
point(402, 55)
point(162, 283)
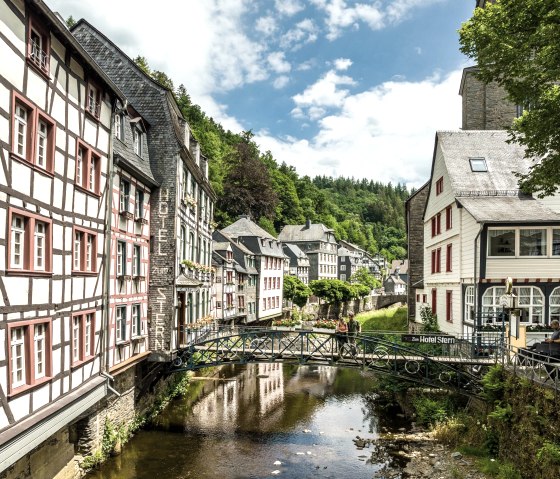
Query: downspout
point(477, 316)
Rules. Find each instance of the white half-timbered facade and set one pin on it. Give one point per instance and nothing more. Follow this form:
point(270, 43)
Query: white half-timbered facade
point(55, 136)
point(133, 184)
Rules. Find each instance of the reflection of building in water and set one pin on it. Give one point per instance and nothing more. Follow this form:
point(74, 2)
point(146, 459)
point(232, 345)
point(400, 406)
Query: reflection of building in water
point(271, 386)
point(316, 380)
point(220, 406)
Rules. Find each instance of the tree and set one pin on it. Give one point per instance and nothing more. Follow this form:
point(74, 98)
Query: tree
point(516, 44)
point(364, 277)
point(70, 22)
point(296, 291)
point(247, 186)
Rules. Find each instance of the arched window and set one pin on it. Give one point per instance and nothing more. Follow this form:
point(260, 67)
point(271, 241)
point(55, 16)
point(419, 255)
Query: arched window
point(555, 305)
point(469, 304)
point(529, 300)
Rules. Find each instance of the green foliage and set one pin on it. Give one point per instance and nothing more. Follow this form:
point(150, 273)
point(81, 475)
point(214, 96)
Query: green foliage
point(92, 461)
point(549, 454)
point(429, 320)
point(431, 411)
point(296, 291)
point(70, 22)
point(364, 277)
point(391, 319)
point(515, 44)
point(493, 383)
point(508, 471)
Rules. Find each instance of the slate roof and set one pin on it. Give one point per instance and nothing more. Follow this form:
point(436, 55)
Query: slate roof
point(346, 252)
point(399, 264)
point(493, 195)
point(523, 209)
point(185, 281)
point(220, 245)
point(502, 159)
point(312, 232)
point(245, 227)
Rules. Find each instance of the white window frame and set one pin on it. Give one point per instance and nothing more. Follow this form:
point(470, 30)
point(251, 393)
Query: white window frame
point(40, 343)
point(120, 324)
point(136, 260)
point(17, 250)
point(469, 303)
point(21, 120)
point(121, 258)
point(136, 320)
point(42, 143)
point(17, 348)
point(39, 245)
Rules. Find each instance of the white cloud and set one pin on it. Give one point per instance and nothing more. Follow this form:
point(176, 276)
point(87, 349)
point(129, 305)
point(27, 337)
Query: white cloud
point(302, 33)
point(340, 15)
point(266, 25)
point(288, 7)
point(342, 63)
point(385, 133)
point(277, 62)
point(325, 92)
point(280, 82)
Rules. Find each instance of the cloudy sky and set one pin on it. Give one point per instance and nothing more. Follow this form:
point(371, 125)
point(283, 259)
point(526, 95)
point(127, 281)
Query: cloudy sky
point(334, 87)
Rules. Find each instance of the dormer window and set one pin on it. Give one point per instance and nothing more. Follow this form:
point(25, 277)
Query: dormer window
point(38, 47)
point(137, 141)
point(93, 100)
point(119, 126)
point(478, 165)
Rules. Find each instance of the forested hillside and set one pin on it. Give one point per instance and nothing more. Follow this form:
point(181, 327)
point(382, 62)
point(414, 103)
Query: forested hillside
point(249, 181)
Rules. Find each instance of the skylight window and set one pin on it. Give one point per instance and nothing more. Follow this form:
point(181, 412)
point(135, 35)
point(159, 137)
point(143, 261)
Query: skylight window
point(478, 164)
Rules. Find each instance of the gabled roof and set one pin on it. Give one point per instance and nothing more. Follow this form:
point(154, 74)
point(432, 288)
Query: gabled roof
point(245, 227)
point(399, 264)
point(503, 160)
point(307, 232)
point(522, 209)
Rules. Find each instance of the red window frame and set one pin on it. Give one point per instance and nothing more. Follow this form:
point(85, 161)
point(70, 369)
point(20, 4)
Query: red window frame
point(89, 156)
point(83, 358)
point(28, 253)
point(436, 260)
point(82, 270)
point(439, 186)
point(449, 258)
point(448, 217)
point(434, 226)
point(40, 61)
point(434, 301)
point(438, 223)
point(424, 298)
point(34, 116)
point(449, 306)
point(30, 380)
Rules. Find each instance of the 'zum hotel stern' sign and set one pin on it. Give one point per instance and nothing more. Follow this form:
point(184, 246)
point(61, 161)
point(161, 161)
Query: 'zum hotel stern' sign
point(427, 339)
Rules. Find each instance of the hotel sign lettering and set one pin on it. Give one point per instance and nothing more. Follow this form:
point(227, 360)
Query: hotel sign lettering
point(427, 339)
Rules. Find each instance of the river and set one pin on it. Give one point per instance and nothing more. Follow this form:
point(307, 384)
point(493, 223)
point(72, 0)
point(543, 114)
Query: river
point(261, 421)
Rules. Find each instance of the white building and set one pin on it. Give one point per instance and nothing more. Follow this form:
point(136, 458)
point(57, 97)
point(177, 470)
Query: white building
point(480, 229)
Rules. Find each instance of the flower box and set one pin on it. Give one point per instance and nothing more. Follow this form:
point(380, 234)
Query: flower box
point(283, 328)
point(324, 330)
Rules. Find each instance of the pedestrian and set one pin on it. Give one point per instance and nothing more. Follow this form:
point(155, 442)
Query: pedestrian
point(341, 332)
point(555, 338)
point(354, 328)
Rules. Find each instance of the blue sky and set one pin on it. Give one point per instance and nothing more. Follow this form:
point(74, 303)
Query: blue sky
point(334, 87)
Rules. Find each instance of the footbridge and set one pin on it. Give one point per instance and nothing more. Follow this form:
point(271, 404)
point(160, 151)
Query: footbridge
point(435, 361)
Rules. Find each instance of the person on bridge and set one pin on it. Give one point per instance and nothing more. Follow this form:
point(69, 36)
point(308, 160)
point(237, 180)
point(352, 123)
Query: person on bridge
point(354, 328)
point(555, 338)
point(341, 332)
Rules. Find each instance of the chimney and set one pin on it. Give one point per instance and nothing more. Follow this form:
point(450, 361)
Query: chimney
point(307, 224)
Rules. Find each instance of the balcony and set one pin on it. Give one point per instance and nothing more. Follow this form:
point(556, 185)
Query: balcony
point(39, 58)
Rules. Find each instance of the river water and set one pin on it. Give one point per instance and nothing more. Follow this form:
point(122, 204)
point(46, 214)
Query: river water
point(261, 421)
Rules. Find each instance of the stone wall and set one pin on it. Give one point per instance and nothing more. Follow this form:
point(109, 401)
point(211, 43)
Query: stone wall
point(485, 107)
point(59, 457)
point(415, 232)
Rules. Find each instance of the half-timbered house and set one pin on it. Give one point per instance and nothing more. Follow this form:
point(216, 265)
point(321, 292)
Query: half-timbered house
point(56, 110)
point(181, 208)
point(133, 184)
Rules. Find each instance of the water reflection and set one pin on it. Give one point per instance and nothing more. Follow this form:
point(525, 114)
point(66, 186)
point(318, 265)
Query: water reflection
point(252, 417)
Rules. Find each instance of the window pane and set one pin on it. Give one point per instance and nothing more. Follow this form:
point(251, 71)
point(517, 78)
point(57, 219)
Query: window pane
point(501, 243)
point(532, 242)
point(556, 242)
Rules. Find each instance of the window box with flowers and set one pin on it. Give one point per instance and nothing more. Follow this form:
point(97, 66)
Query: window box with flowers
point(286, 325)
point(324, 326)
point(190, 201)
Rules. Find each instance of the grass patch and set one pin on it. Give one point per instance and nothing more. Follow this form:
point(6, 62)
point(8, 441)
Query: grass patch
point(388, 319)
